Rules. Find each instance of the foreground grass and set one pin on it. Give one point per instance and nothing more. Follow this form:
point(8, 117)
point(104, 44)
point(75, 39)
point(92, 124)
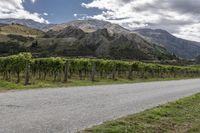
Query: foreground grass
point(182, 116)
point(5, 85)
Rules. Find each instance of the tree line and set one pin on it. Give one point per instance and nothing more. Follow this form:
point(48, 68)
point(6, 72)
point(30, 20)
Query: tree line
point(24, 68)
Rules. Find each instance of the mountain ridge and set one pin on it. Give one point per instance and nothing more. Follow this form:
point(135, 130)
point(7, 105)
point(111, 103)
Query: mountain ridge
point(102, 43)
point(90, 25)
point(81, 28)
point(181, 47)
point(73, 41)
point(26, 22)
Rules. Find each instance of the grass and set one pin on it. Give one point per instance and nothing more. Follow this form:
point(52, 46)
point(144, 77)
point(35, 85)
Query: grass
point(5, 85)
point(182, 116)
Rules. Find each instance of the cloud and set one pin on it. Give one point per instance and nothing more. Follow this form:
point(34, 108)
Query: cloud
point(75, 15)
point(15, 9)
point(33, 1)
point(191, 32)
point(180, 17)
point(45, 14)
point(81, 16)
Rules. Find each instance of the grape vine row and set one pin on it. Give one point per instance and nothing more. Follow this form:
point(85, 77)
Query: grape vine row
point(24, 67)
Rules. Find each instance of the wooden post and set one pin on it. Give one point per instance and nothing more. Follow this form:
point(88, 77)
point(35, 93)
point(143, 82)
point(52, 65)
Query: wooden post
point(114, 73)
point(93, 71)
point(18, 77)
point(80, 75)
point(130, 74)
point(27, 73)
point(66, 71)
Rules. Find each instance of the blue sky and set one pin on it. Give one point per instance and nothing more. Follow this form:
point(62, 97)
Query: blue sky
point(60, 10)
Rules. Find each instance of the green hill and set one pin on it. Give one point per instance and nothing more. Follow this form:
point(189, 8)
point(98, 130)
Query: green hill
point(17, 29)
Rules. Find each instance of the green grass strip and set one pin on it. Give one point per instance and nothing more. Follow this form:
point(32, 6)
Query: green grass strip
point(182, 116)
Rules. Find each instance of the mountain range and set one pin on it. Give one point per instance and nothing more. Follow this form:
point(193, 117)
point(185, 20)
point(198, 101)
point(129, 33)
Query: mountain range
point(90, 25)
point(92, 38)
point(182, 48)
point(26, 22)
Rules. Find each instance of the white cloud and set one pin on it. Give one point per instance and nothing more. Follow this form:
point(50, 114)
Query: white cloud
point(190, 32)
point(15, 9)
point(33, 1)
point(180, 17)
point(75, 15)
point(45, 14)
point(80, 16)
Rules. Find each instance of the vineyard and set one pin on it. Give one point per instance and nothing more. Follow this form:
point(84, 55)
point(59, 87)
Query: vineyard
point(24, 68)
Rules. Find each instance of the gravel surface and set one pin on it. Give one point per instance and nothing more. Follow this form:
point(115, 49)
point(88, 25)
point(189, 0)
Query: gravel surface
point(67, 110)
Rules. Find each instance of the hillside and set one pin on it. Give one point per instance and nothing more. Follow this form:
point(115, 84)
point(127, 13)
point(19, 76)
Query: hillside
point(101, 43)
point(180, 47)
point(175, 46)
point(26, 22)
point(198, 59)
point(17, 29)
point(15, 38)
point(73, 41)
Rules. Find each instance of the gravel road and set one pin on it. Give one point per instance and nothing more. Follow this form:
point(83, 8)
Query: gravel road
point(67, 110)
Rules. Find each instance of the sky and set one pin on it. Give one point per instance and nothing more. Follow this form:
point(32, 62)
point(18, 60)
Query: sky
point(179, 17)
